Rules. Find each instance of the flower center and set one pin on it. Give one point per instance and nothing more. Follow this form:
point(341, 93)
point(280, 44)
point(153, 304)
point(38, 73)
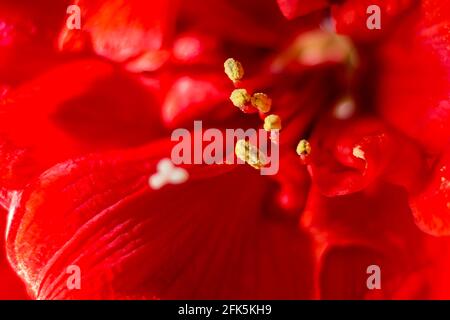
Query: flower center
point(257, 102)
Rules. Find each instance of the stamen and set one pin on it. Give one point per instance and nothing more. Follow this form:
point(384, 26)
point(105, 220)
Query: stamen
point(233, 69)
point(359, 153)
point(250, 154)
point(240, 98)
point(272, 122)
point(304, 148)
point(262, 102)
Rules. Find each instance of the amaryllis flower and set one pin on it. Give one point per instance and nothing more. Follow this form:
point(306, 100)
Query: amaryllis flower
point(88, 184)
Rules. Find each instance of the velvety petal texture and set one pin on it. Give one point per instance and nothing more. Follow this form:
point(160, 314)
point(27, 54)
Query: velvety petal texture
point(96, 204)
point(114, 226)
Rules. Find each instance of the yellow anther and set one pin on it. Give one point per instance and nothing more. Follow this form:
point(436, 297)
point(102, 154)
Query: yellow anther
point(233, 69)
point(272, 122)
point(303, 148)
point(359, 153)
point(262, 102)
point(240, 97)
point(247, 152)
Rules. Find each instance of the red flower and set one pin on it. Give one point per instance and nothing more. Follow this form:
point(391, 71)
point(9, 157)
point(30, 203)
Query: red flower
point(87, 121)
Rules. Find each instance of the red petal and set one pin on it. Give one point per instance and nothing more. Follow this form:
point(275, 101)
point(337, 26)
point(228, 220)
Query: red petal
point(78, 107)
point(363, 151)
point(121, 30)
point(295, 8)
point(235, 21)
point(355, 231)
point(431, 207)
point(11, 286)
point(26, 38)
point(190, 99)
point(185, 241)
point(351, 17)
point(416, 60)
point(343, 272)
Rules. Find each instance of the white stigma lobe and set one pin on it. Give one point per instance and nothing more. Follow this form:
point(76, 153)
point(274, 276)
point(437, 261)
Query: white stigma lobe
point(167, 173)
